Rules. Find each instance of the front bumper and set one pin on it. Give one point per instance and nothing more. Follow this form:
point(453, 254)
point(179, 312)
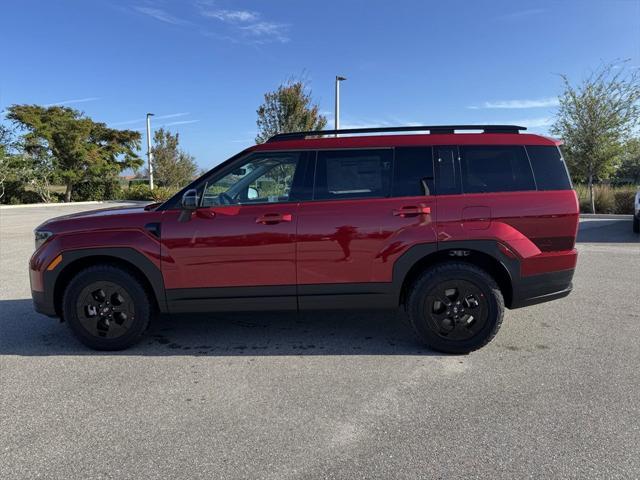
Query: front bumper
point(42, 305)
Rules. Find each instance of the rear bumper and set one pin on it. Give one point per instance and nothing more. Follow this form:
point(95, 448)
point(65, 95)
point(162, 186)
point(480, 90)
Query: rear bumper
point(541, 288)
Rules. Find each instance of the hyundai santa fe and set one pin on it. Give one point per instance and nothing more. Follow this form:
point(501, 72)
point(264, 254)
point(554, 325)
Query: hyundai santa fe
point(451, 224)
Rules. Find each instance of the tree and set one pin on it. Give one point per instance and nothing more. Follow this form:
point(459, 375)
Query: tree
point(6, 146)
point(172, 167)
point(288, 109)
point(629, 169)
point(595, 118)
point(73, 146)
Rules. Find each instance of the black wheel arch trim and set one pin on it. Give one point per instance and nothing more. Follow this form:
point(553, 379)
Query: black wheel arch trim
point(420, 252)
point(123, 254)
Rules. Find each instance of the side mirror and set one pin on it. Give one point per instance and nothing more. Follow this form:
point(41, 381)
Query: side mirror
point(190, 200)
point(189, 204)
point(252, 193)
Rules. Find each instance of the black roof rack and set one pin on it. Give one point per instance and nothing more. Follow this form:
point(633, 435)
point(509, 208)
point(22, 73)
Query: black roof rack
point(432, 129)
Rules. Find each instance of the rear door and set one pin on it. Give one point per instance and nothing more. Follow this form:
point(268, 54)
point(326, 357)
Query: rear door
point(359, 222)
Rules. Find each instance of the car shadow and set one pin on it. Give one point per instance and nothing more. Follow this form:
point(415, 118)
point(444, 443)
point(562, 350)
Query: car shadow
point(24, 332)
point(607, 230)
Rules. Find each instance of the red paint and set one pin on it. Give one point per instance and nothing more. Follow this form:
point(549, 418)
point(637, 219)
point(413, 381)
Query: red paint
point(230, 246)
point(321, 242)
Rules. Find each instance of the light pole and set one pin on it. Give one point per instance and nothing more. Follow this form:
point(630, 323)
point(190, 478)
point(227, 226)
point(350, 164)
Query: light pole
point(337, 112)
point(149, 154)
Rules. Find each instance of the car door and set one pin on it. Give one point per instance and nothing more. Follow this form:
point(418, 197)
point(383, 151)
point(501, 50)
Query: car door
point(237, 250)
point(358, 224)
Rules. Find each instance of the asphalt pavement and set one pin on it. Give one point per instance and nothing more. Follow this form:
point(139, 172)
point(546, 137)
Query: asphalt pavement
point(339, 395)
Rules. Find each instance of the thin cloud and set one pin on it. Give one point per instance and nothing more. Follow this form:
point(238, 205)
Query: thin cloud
point(243, 25)
point(521, 14)
point(534, 123)
point(180, 122)
point(69, 102)
point(161, 15)
point(267, 31)
point(155, 117)
point(231, 16)
point(517, 104)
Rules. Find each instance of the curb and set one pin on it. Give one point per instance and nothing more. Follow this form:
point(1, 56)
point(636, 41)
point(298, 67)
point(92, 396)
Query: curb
point(610, 216)
point(65, 204)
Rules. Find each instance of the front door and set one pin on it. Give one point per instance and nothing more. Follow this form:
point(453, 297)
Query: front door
point(238, 248)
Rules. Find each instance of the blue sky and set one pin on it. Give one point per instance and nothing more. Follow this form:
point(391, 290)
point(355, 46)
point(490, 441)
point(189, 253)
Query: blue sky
point(202, 66)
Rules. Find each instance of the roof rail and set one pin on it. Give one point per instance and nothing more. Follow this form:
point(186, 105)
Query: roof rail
point(432, 129)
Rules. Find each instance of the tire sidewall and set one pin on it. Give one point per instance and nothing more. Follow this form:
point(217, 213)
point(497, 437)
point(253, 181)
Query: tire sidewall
point(126, 281)
point(495, 309)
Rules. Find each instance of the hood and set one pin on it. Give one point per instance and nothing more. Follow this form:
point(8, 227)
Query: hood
point(104, 218)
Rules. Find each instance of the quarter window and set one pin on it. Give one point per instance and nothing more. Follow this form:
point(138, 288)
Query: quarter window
point(549, 168)
point(353, 174)
point(495, 169)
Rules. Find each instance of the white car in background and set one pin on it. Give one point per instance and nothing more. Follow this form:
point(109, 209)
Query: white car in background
point(636, 213)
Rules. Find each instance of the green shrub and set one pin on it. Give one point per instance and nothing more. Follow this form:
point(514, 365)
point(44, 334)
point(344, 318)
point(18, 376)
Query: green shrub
point(137, 192)
point(13, 191)
point(143, 192)
point(607, 199)
point(162, 194)
point(95, 190)
point(624, 198)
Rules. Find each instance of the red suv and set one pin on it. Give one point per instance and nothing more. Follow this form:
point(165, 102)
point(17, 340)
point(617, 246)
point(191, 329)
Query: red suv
point(452, 225)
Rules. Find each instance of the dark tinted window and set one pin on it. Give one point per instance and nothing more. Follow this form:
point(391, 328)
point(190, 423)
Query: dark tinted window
point(495, 169)
point(413, 172)
point(446, 165)
point(549, 168)
point(353, 174)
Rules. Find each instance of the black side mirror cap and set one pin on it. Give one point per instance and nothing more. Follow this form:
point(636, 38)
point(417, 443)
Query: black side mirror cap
point(190, 200)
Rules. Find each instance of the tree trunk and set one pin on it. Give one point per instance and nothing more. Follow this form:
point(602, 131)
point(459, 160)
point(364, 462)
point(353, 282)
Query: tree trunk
point(67, 193)
point(591, 199)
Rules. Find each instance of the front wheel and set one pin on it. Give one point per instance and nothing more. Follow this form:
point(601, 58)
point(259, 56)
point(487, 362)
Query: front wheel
point(455, 307)
point(107, 308)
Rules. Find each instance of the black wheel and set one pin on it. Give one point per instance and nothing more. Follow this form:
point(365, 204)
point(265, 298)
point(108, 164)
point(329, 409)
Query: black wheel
point(455, 307)
point(107, 308)
point(636, 224)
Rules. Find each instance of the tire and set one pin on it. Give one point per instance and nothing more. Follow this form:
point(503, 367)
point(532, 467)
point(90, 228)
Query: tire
point(107, 308)
point(636, 224)
point(455, 308)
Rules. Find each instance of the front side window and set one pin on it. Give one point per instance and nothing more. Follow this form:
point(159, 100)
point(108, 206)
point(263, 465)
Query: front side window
point(495, 169)
point(263, 178)
point(342, 174)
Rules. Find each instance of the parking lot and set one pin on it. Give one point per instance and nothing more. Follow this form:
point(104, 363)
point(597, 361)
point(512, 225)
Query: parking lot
point(340, 395)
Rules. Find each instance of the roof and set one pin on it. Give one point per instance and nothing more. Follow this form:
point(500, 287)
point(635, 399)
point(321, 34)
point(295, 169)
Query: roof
point(410, 140)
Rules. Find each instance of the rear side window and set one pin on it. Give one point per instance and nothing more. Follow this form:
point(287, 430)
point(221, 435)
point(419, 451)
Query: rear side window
point(353, 174)
point(413, 172)
point(447, 170)
point(549, 168)
point(495, 169)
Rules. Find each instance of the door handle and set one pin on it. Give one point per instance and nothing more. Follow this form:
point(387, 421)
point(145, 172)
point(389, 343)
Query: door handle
point(274, 218)
point(412, 211)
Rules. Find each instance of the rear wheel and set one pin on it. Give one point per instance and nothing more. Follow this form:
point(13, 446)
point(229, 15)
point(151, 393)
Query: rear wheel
point(107, 308)
point(455, 307)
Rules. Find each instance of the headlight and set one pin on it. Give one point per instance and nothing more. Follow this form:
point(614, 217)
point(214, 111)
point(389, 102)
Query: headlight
point(41, 237)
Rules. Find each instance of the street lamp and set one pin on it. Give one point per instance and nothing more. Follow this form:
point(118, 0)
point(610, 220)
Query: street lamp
point(337, 112)
point(149, 154)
